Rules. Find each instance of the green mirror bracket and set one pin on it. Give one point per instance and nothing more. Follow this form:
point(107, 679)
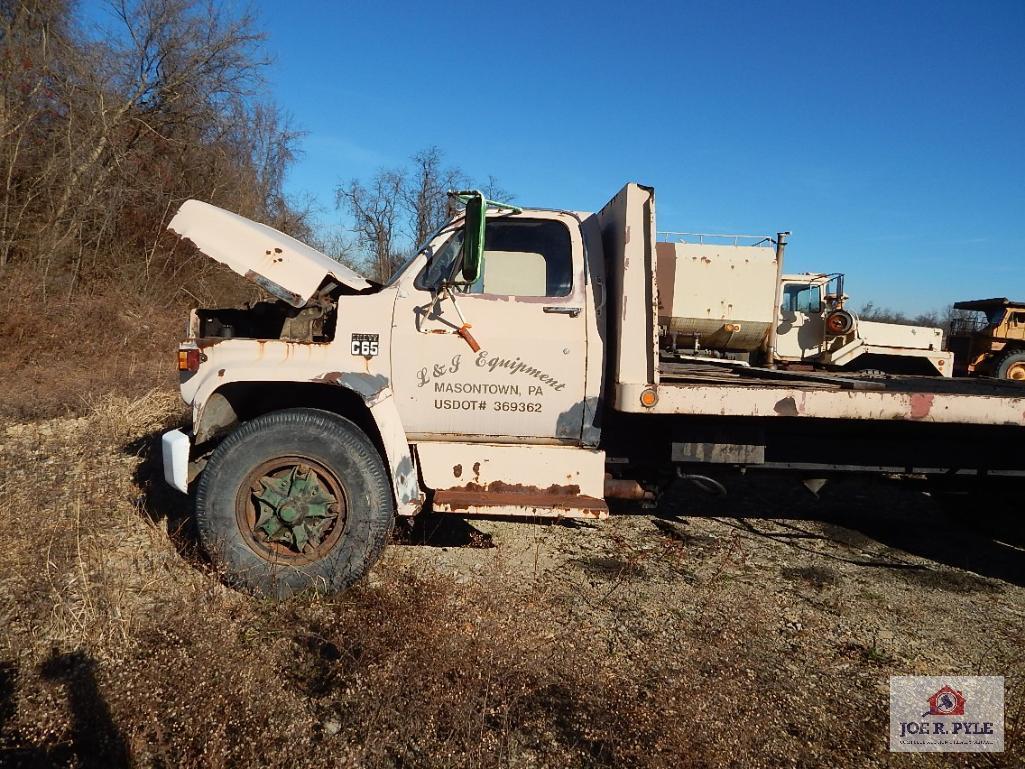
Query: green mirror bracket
point(465, 195)
point(476, 211)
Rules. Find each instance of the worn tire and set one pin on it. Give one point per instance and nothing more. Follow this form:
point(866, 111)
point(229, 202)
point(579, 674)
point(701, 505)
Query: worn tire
point(337, 445)
point(1012, 363)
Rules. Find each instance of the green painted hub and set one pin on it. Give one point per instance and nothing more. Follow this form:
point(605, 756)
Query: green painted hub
point(294, 509)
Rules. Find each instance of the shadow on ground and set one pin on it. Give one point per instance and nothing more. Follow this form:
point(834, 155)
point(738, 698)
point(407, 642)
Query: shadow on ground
point(861, 514)
point(440, 530)
point(93, 740)
point(160, 503)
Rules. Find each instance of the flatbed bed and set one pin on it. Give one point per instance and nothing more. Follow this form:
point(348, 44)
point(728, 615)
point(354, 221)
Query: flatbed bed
point(672, 372)
point(695, 389)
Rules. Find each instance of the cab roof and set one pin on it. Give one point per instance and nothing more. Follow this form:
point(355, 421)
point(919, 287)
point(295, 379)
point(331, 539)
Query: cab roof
point(987, 304)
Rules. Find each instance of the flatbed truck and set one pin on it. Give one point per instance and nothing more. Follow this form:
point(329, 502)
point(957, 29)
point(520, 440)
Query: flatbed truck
point(512, 368)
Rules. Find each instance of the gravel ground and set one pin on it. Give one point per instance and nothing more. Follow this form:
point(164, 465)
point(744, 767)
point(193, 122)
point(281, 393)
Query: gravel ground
point(868, 580)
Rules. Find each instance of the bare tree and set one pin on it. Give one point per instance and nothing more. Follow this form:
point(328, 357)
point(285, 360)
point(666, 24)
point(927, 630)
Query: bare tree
point(376, 210)
point(32, 35)
point(425, 193)
point(400, 208)
point(173, 68)
point(934, 318)
point(103, 134)
point(336, 244)
point(493, 190)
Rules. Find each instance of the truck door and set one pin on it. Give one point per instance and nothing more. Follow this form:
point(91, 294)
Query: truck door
point(527, 313)
point(801, 329)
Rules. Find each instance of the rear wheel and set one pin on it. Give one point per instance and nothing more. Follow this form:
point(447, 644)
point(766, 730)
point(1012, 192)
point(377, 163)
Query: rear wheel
point(1012, 366)
point(292, 500)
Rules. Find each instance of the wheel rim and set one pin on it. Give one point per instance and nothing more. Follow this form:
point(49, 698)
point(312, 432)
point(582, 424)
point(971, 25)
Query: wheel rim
point(291, 509)
point(1016, 371)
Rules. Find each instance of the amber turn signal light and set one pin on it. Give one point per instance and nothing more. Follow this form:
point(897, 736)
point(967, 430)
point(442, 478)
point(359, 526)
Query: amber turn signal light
point(649, 398)
point(188, 359)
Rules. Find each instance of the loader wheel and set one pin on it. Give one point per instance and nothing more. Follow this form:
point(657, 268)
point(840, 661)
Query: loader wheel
point(292, 500)
point(1012, 366)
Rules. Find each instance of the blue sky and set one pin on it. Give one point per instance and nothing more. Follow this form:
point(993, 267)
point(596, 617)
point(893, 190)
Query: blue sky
point(889, 137)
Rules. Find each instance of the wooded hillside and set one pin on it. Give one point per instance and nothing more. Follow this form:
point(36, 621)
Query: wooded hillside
point(107, 125)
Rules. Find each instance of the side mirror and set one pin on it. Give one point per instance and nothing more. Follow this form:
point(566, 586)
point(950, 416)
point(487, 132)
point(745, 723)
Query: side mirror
point(473, 236)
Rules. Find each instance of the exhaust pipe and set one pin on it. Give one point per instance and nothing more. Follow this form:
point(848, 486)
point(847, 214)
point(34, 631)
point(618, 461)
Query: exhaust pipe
point(770, 338)
point(619, 488)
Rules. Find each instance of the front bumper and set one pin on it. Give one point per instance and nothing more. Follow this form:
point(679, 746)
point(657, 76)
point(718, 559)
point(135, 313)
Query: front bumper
point(175, 450)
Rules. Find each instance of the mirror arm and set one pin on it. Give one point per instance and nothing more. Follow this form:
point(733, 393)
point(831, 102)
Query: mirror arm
point(464, 328)
point(464, 197)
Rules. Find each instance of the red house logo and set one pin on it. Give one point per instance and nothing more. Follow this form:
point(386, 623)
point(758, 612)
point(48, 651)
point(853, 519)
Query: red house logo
point(946, 702)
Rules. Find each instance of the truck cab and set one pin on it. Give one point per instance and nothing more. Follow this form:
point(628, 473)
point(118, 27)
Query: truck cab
point(451, 376)
point(814, 328)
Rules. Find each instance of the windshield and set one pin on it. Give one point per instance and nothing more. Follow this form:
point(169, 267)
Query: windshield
point(995, 316)
point(441, 265)
point(801, 297)
point(425, 247)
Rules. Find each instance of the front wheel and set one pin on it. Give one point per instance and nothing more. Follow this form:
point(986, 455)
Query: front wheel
point(292, 500)
point(1012, 366)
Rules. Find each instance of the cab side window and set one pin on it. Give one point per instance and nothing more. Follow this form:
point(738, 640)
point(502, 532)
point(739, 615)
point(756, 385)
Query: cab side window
point(526, 257)
point(801, 297)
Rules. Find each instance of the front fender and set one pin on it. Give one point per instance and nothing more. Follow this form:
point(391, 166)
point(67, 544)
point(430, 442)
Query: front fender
point(284, 364)
point(408, 497)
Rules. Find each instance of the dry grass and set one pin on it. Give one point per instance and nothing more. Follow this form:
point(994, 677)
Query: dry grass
point(58, 358)
point(118, 646)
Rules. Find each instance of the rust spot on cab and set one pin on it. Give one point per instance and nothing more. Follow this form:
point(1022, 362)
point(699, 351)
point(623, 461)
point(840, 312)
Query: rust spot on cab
point(331, 377)
point(921, 405)
point(500, 487)
point(532, 504)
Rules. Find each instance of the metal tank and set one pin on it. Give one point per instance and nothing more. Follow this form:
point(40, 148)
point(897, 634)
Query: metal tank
point(716, 296)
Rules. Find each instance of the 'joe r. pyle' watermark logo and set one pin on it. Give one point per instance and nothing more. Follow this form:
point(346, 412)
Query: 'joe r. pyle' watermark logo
point(961, 714)
point(946, 702)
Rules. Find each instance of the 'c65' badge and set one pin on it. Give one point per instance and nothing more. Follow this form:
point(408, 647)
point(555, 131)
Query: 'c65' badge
point(365, 345)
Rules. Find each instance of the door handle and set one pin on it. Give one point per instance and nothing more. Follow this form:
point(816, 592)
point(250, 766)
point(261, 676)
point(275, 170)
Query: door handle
point(562, 310)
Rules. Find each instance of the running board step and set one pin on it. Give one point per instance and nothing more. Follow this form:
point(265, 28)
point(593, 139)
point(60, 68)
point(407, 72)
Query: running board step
point(517, 504)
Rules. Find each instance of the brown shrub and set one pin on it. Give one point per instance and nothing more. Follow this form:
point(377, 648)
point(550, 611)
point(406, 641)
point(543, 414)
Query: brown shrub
point(59, 356)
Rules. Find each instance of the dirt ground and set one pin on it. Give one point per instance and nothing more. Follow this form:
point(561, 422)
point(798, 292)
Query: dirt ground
point(755, 629)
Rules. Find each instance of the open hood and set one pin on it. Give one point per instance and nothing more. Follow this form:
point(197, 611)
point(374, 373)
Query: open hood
point(290, 270)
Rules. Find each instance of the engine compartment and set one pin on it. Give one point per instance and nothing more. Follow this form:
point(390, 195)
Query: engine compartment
point(312, 323)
